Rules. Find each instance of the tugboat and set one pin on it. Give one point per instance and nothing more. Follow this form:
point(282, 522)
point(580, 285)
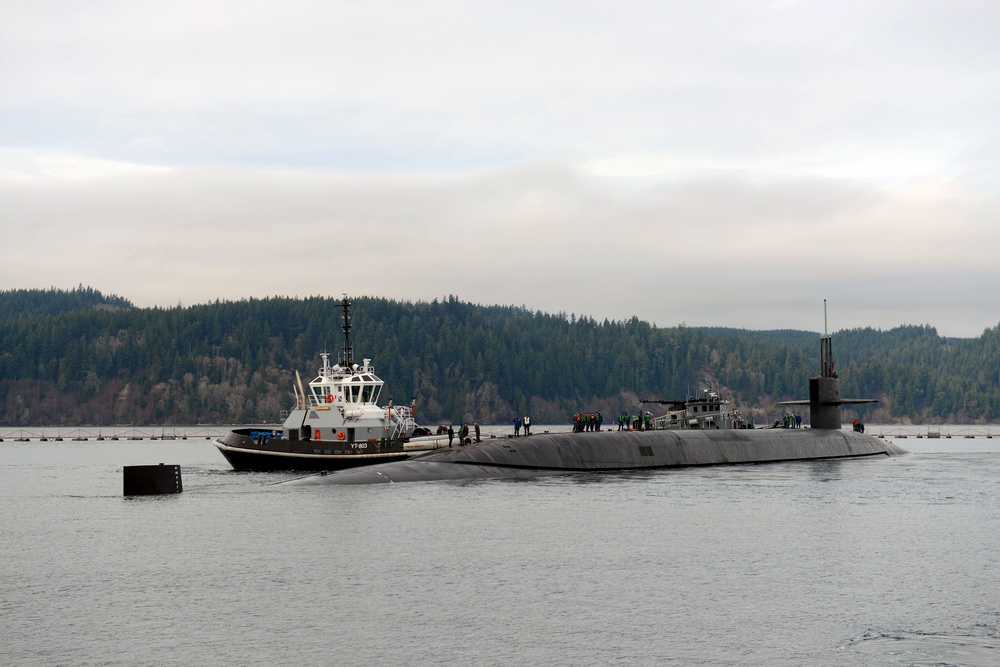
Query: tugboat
point(707, 411)
point(337, 423)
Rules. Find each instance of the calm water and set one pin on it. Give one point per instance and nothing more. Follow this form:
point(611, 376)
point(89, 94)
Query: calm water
point(871, 562)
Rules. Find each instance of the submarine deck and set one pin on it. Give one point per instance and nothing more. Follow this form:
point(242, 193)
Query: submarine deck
point(557, 453)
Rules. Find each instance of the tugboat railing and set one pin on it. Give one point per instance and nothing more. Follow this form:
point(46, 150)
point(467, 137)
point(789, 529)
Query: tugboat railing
point(668, 421)
point(402, 421)
point(685, 420)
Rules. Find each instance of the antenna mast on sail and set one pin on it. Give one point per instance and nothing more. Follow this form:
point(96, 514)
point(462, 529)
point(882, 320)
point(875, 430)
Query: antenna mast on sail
point(826, 349)
point(825, 330)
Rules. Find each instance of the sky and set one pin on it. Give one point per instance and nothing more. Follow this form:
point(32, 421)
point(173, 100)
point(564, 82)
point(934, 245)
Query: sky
point(714, 163)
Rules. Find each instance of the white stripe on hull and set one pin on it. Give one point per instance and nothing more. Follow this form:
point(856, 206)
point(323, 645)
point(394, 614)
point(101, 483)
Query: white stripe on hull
point(264, 452)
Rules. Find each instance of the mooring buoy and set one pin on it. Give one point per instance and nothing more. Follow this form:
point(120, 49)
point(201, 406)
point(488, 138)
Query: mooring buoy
point(149, 480)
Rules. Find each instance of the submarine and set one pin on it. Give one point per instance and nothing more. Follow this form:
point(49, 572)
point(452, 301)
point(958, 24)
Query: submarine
point(615, 451)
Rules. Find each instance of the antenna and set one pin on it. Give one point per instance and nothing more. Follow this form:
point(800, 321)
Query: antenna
point(826, 349)
point(348, 350)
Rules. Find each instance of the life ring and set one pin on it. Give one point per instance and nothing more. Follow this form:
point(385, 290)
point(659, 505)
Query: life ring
point(329, 398)
point(341, 435)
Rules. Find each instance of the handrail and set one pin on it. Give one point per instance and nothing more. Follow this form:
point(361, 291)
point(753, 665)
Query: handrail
point(402, 420)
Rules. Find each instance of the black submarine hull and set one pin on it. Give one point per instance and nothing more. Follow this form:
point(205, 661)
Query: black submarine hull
point(557, 453)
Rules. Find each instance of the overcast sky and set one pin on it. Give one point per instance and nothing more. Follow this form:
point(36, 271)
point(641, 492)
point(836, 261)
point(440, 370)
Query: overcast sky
point(713, 163)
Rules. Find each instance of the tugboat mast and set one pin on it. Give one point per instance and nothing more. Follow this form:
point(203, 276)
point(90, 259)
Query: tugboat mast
point(348, 360)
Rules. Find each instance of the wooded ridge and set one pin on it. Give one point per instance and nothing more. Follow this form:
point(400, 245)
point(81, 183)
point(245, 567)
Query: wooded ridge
point(78, 357)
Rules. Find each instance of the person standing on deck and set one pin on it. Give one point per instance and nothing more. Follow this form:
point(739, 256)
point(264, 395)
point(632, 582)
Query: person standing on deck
point(527, 425)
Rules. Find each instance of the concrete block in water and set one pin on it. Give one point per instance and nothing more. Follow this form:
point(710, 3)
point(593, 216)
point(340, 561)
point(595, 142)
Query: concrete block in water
point(150, 480)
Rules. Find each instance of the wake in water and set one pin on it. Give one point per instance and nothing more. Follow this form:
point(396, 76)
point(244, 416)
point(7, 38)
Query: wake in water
point(978, 646)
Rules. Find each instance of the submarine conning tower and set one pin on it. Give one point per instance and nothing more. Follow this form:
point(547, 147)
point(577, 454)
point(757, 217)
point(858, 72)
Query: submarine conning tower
point(824, 391)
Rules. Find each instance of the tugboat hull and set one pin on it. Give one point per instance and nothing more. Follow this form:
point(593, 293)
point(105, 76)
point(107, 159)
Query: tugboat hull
point(264, 454)
point(251, 461)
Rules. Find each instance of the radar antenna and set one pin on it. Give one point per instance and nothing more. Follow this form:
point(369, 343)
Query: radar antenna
point(348, 350)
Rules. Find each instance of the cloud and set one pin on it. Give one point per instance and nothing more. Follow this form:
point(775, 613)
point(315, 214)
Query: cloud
point(390, 85)
point(717, 251)
point(720, 163)
point(29, 165)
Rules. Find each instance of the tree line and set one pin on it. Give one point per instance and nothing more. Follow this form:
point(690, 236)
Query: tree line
point(83, 358)
point(29, 302)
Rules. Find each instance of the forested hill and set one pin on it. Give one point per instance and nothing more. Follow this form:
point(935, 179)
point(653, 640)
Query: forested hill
point(28, 302)
point(233, 362)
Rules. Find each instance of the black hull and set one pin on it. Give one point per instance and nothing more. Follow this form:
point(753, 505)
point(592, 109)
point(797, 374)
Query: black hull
point(246, 454)
point(615, 451)
point(265, 462)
